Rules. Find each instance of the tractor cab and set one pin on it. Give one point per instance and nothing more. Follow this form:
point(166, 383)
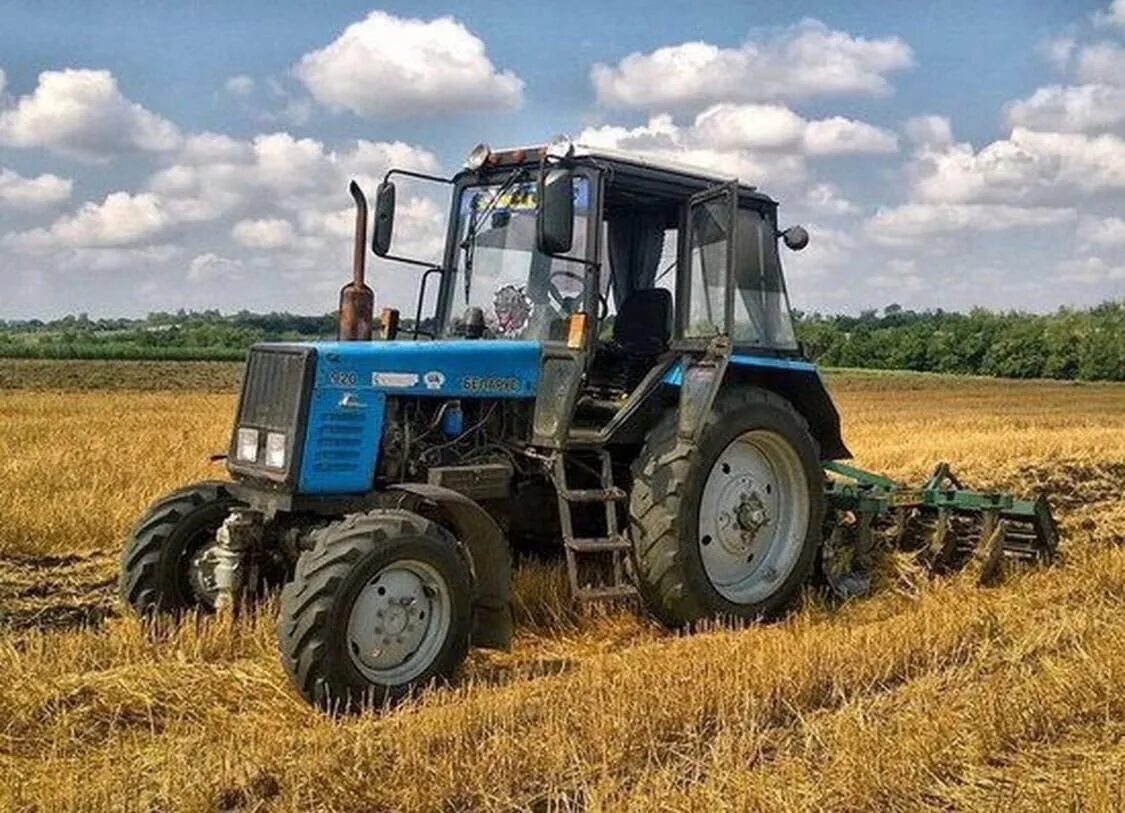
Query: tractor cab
point(624, 270)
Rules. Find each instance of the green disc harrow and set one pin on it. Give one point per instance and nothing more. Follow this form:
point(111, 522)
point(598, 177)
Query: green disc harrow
point(947, 526)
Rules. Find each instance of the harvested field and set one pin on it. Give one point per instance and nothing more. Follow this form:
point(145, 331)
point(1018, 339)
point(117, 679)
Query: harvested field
point(933, 694)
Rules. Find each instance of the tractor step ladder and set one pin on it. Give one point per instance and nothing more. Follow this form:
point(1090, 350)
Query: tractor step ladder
point(610, 581)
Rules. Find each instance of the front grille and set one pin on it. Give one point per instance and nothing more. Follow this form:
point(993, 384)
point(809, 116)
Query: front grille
point(275, 394)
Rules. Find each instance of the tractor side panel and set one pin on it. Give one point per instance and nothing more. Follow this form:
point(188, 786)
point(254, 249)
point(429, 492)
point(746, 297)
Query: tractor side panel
point(353, 379)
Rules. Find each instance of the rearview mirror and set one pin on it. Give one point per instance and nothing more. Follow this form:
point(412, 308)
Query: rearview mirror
point(555, 225)
point(384, 218)
point(795, 237)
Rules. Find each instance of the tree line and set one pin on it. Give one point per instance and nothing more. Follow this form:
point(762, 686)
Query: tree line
point(1085, 344)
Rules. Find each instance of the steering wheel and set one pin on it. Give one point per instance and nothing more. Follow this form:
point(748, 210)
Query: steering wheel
point(565, 303)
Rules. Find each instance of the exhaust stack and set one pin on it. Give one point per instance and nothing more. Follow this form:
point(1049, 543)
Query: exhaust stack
point(357, 301)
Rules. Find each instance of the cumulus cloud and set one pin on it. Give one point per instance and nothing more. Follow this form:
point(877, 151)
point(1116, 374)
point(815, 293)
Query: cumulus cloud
point(1102, 62)
point(1070, 108)
point(929, 131)
point(216, 176)
point(1028, 167)
point(387, 66)
point(18, 192)
point(240, 85)
point(806, 60)
point(264, 233)
point(1090, 271)
point(211, 267)
point(755, 142)
point(1102, 232)
point(82, 114)
point(913, 222)
point(826, 199)
point(121, 219)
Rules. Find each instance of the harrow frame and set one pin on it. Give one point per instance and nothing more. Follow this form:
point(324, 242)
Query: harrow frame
point(858, 499)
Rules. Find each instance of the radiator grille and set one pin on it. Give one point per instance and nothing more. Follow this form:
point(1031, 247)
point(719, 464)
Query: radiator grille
point(273, 388)
point(275, 393)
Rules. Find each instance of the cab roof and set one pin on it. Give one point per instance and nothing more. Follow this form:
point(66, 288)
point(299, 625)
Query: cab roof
point(657, 176)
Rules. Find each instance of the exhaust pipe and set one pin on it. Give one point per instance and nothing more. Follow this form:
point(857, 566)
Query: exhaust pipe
point(357, 301)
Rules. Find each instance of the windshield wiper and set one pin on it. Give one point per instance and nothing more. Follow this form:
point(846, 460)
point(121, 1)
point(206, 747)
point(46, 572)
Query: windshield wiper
point(469, 244)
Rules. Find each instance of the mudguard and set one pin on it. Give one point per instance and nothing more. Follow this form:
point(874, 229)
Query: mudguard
point(489, 557)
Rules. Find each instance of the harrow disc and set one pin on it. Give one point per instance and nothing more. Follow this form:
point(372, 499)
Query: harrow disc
point(947, 526)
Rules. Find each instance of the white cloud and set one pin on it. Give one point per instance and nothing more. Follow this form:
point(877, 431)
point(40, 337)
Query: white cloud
point(929, 131)
point(913, 222)
point(1059, 51)
point(1102, 62)
point(122, 219)
point(1102, 232)
point(19, 192)
point(211, 267)
point(1070, 108)
point(661, 138)
point(215, 176)
point(808, 59)
point(841, 136)
point(1114, 15)
point(3, 82)
point(758, 143)
point(240, 85)
point(898, 277)
point(391, 66)
point(826, 198)
point(1027, 167)
point(1090, 271)
point(265, 233)
point(82, 114)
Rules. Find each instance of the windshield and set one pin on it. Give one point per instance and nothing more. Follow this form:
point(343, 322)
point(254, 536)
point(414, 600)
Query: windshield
point(523, 293)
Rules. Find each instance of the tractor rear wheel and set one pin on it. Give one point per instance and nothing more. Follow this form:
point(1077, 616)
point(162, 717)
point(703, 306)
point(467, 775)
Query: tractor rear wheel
point(728, 527)
point(164, 567)
point(380, 605)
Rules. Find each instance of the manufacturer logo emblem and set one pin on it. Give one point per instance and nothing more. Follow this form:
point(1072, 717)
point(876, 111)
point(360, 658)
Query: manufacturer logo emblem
point(394, 380)
point(434, 379)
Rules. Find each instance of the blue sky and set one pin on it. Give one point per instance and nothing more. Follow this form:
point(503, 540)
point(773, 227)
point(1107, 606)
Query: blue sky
point(165, 155)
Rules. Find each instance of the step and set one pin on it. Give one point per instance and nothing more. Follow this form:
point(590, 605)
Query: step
point(598, 544)
point(611, 592)
point(611, 494)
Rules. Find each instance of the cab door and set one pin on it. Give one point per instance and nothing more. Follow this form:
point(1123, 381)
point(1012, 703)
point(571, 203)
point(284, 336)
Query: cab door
point(705, 305)
point(704, 302)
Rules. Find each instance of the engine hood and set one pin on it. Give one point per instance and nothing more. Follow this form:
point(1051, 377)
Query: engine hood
point(451, 369)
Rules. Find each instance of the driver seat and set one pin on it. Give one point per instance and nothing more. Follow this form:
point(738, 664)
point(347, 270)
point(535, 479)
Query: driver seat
point(642, 332)
point(643, 327)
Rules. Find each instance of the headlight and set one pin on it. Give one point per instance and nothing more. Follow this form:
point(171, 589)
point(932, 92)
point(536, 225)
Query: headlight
point(247, 446)
point(560, 147)
point(275, 450)
point(477, 158)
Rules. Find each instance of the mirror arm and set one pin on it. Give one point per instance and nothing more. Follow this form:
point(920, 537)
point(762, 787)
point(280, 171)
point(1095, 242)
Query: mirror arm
point(421, 299)
point(409, 173)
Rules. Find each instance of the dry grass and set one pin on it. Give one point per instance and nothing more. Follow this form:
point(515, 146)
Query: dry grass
point(948, 697)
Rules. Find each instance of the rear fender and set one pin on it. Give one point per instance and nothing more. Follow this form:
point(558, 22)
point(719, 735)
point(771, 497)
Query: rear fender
point(489, 557)
point(800, 384)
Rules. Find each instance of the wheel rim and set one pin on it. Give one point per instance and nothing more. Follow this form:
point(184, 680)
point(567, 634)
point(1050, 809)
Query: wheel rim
point(753, 516)
point(399, 622)
point(200, 568)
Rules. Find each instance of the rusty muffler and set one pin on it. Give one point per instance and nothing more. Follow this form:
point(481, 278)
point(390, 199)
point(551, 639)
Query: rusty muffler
point(357, 301)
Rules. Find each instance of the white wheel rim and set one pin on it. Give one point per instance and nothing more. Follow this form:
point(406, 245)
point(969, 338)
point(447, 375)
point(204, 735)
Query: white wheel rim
point(753, 517)
point(399, 622)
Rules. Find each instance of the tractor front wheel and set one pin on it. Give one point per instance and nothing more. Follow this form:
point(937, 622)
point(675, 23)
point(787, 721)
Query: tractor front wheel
point(728, 527)
point(164, 567)
point(379, 606)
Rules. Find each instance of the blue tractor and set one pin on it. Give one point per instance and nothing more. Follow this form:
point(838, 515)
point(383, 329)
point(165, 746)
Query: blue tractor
point(608, 366)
